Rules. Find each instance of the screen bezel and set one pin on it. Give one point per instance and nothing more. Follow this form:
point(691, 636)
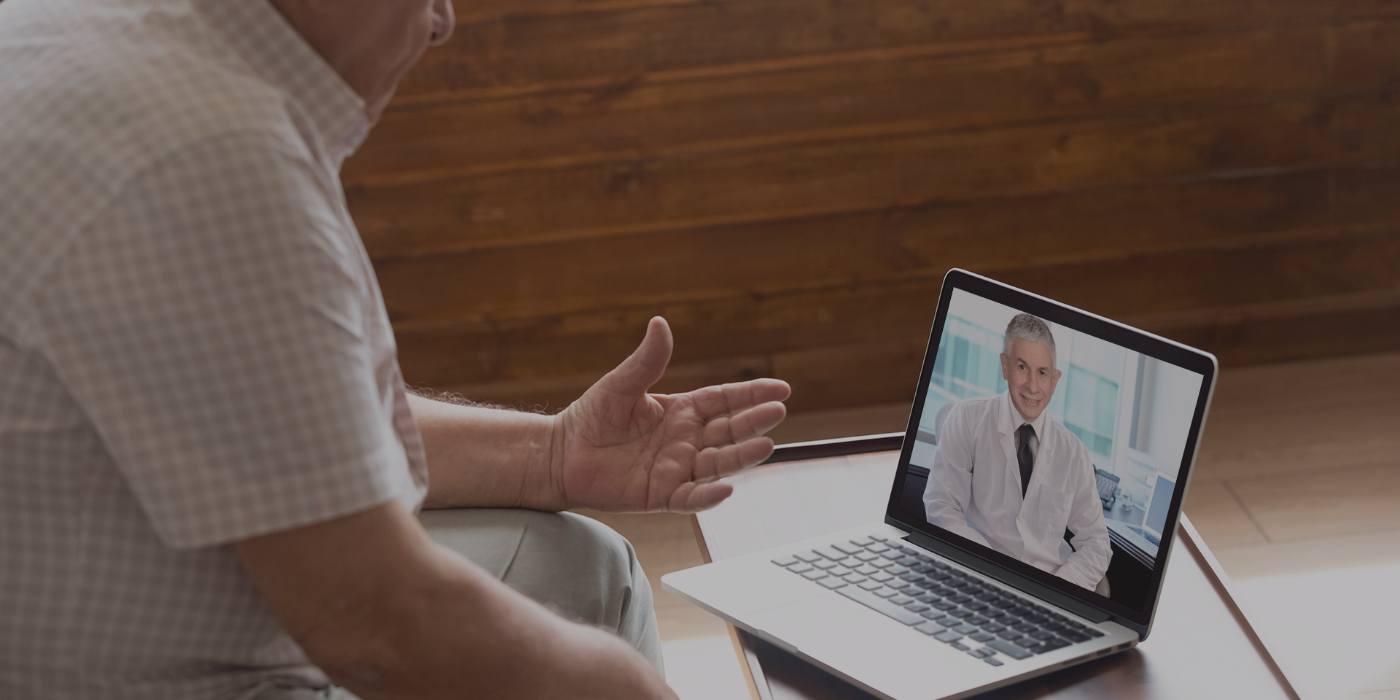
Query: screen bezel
point(1187, 358)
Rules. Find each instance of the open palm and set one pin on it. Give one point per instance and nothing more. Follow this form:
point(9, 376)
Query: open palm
point(625, 449)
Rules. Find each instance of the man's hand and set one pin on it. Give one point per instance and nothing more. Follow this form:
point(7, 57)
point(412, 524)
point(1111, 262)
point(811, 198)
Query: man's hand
point(620, 448)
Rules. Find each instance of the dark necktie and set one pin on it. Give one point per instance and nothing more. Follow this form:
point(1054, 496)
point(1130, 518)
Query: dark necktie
point(1024, 457)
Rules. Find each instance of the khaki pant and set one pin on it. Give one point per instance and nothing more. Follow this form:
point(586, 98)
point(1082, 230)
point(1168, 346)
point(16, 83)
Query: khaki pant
point(573, 565)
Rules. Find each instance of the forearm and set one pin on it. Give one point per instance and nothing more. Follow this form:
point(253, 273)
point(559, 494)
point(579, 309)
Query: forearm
point(487, 457)
point(455, 632)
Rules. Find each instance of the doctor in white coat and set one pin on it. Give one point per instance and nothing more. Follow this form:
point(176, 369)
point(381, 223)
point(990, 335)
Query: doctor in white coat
point(1008, 477)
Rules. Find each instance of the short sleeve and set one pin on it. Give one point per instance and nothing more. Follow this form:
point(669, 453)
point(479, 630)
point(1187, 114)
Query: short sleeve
point(212, 326)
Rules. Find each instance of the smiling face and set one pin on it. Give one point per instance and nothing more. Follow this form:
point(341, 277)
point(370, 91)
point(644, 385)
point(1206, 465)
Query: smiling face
point(370, 43)
point(1029, 369)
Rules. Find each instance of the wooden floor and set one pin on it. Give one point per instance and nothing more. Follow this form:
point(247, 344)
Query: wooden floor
point(1297, 491)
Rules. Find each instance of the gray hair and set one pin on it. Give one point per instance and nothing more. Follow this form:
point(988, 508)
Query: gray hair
point(1028, 327)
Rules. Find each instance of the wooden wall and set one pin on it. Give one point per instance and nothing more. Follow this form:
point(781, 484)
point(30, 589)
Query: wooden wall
point(787, 180)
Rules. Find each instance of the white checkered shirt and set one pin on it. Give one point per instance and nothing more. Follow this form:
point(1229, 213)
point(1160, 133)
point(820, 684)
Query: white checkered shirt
point(193, 347)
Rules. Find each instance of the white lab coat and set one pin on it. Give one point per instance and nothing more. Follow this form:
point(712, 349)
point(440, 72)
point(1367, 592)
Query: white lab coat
point(974, 490)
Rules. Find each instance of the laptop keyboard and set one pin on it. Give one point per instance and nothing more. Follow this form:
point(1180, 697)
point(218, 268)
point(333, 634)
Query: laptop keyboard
point(897, 580)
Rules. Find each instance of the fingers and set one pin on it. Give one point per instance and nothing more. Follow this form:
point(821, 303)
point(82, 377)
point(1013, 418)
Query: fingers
point(725, 399)
point(692, 497)
point(751, 422)
point(716, 462)
point(646, 364)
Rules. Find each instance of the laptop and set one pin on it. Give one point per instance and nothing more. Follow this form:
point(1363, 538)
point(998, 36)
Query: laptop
point(977, 575)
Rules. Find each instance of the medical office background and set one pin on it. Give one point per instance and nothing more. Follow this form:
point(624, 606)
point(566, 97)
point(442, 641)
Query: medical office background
point(1131, 411)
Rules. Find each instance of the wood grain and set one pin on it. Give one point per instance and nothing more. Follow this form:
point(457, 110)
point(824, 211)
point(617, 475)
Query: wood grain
point(540, 44)
point(849, 172)
point(787, 180)
point(920, 84)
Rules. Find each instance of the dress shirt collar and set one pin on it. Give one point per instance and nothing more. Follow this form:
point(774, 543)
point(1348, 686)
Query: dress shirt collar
point(258, 34)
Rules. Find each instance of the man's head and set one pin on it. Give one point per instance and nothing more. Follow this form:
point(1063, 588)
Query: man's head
point(1028, 364)
point(370, 43)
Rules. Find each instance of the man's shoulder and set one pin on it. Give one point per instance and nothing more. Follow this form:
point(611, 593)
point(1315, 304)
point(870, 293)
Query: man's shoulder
point(971, 413)
point(103, 109)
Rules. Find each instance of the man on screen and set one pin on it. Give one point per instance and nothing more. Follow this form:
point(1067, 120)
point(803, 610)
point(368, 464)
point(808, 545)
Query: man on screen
point(1007, 476)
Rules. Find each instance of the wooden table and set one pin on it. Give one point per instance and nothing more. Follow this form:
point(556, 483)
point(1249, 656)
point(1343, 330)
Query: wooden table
point(1201, 643)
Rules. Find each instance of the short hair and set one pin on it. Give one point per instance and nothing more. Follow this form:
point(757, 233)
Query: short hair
point(1032, 328)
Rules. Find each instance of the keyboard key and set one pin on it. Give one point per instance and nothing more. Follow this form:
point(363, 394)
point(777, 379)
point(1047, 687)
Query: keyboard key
point(870, 585)
point(800, 568)
point(824, 564)
point(846, 548)
point(993, 628)
point(878, 548)
point(808, 556)
point(901, 600)
point(850, 562)
point(853, 578)
point(879, 538)
point(785, 561)
point(862, 541)
point(929, 627)
point(1009, 649)
point(1053, 644)
point(915, 606)
point(866, 570)
point(838, 571)
point(830, 553)
point(832, 582)
point(948, 621)
point(814, 574)
point(884, 592)
point(931, 614)
point(977, 620)
point(947, 636)
point(967, 629)
point(982, 637)
point(880, 605)
point(993, 660)
point(881, 576)
point(898, 584)
point(897, 569)
point(867, 556)
point(959, 646)
point(983, 652)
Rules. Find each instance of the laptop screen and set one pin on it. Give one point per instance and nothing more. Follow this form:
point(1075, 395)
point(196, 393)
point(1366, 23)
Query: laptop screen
point(1050, 443)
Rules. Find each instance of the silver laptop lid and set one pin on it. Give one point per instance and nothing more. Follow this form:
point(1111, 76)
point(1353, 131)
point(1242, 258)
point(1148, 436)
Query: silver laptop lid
point(1102, 418)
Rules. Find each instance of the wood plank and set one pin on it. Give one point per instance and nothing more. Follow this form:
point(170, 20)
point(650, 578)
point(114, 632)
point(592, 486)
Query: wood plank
point(654, 115)
point(551, 394)
point(514, 43)
point(1325, 503)
point(1319, 386)
point(703, 350)
point(588, 343)
point(921, 242)
point(863, 172)
point(1215, 511)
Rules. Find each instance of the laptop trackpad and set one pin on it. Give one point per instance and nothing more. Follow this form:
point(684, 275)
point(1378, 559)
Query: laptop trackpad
point(856, 642)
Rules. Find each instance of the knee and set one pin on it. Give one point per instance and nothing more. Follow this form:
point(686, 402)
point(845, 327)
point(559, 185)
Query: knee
point(583, 569)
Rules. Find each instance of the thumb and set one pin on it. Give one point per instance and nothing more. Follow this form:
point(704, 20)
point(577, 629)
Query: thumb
point(646, 364)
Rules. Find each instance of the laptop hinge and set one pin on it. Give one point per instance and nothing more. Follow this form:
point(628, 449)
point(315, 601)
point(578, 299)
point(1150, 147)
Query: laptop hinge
point(1015, 580)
